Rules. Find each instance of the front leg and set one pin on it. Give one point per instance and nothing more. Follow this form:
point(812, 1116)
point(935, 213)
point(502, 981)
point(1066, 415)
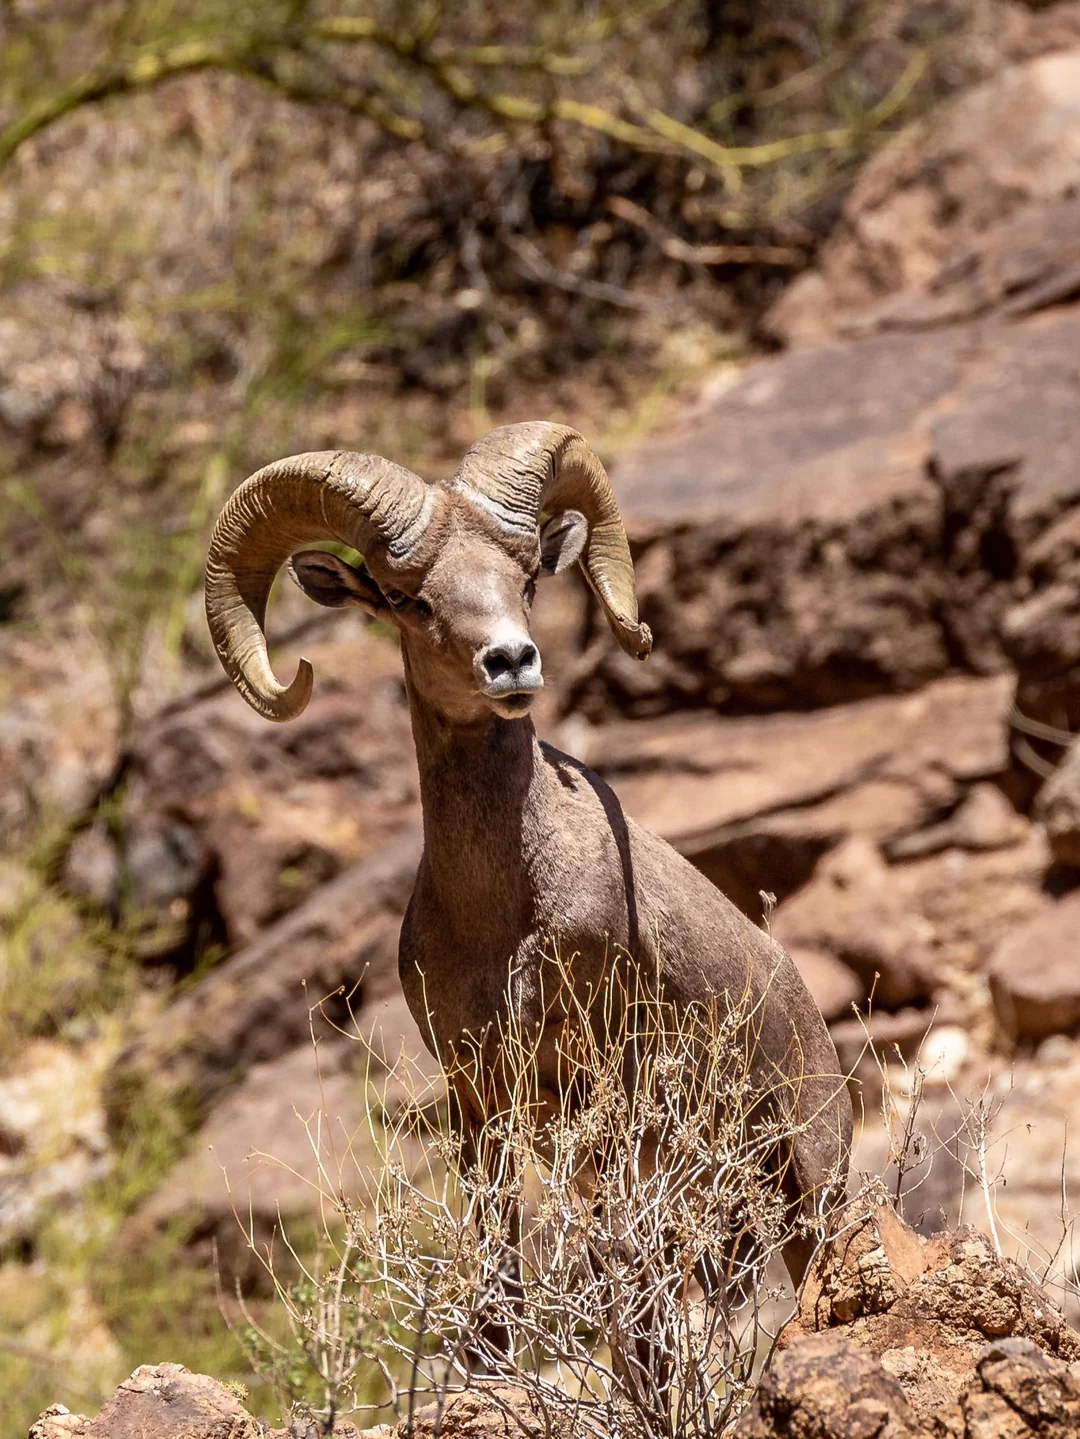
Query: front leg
point(488, 1171)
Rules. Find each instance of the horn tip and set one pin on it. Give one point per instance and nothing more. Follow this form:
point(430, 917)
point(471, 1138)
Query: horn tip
point(297, 696)
point(636, 640)
point(292, 700)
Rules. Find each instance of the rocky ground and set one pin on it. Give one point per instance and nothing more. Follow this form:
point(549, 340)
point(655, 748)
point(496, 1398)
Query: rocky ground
point(860, 556)
point(896, 1337)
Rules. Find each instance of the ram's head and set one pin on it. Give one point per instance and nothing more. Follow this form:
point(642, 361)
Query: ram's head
point(453, 566)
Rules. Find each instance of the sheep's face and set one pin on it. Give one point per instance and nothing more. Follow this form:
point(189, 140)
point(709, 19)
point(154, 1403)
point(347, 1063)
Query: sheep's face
point(461, 602)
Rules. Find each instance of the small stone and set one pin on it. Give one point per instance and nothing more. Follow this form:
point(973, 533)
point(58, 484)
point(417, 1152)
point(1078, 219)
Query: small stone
point(944, 1053)
point(1057, 1051)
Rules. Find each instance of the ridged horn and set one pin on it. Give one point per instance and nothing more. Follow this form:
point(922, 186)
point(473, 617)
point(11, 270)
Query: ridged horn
point(324, 495)
point(519, 471)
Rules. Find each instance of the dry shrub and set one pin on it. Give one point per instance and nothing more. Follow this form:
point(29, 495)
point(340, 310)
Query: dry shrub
point(953, 1139)
point(613, 1256)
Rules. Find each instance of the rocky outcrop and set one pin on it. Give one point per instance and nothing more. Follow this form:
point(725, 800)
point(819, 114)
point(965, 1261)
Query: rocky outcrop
point(822, 1387)
point(830, 1389)
point(920, 1338)
point(739, 798)
point(158, 1401)
point(849, 519)
point(896, 1337)
point(911, 929)
point(223, 825)
point(287, 1141)
point(167, 1401)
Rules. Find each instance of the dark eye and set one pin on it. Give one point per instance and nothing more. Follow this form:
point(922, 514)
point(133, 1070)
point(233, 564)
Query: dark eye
point(530, 590)
point(399, 600)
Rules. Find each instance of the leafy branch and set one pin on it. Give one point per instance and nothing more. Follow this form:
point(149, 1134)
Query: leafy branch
point(284, 57)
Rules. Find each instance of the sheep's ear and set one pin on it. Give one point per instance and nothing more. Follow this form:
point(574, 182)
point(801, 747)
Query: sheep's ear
point(562, 540)
point(331, 582)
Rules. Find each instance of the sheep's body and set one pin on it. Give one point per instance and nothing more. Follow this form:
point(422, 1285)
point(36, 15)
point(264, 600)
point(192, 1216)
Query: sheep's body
point(528, 853)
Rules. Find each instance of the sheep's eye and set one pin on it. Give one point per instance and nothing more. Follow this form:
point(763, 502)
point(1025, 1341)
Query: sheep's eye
point(530, 589)
point(396, 599)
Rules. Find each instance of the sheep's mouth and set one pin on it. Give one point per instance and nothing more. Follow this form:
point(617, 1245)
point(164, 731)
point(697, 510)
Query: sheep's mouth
point(514, 705)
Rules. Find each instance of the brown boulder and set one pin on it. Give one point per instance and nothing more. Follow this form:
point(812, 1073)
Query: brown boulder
point(228, 824)
point(167, 1401)
point(984, 820)
point(287, 1141)
point(852, 909)
point(1035, 973)
point(822, 1387)
point(1021, 1391)
point(490, 1411)
point(847, 520)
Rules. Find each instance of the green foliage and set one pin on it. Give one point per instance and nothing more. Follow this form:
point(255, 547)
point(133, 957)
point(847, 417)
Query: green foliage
point(57, 971)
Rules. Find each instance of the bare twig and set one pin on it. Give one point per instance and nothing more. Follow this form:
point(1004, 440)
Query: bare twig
point(676, 249)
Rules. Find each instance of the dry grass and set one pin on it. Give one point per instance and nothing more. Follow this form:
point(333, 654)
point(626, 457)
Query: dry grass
point(613, 1256)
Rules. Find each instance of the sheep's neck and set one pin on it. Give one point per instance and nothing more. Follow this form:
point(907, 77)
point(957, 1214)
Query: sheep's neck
point(480, 789)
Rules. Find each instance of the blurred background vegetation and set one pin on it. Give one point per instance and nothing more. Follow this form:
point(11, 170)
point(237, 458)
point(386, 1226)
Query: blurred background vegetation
point(230, 231)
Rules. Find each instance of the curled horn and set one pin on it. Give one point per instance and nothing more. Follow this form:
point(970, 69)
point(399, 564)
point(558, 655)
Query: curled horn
point(519, 471)
point(328, 495)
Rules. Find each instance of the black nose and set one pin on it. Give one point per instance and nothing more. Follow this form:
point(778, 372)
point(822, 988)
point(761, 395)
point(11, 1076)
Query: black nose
point(509, 659)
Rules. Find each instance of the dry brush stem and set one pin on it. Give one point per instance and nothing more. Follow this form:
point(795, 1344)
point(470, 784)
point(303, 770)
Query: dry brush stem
point(610, 1252)
point(971, 1135)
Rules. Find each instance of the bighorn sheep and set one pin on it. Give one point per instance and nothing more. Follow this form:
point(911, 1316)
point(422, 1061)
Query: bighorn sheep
point(521, 843)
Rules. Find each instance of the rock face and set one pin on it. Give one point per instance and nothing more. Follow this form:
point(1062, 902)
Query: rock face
point(894, 498)
point(337, 952)
point(909, 929)
point(739, 798)
point(849, 519)
point(932, 195)
point(228, 824)
point(823, 1387)
point(830, 1389)
point(289, 1139)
